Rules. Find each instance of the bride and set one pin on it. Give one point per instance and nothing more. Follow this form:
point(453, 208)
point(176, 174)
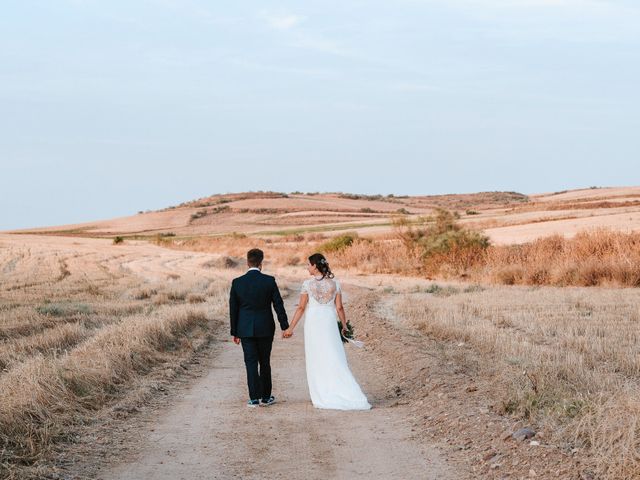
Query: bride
point(331, 383)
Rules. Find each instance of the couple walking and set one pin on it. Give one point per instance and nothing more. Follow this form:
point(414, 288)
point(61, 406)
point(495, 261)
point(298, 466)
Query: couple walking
point(331, 383)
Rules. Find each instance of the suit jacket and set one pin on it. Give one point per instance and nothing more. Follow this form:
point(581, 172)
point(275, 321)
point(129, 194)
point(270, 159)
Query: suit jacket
point(250, 303)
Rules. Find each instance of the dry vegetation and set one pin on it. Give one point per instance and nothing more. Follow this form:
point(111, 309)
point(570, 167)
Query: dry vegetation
point(78, 330)
point(440, 247)
point(564, 359)
point(599, 257)
point(78, 327)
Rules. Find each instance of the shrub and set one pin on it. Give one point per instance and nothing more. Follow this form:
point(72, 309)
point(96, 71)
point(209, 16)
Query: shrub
point(446, 291)
point(338, 243)
point(443, 244)
point(199, 214)
point(118, 240)
point(64, 309)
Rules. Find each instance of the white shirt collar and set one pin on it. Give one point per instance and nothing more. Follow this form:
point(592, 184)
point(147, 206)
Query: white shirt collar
point(253, 268)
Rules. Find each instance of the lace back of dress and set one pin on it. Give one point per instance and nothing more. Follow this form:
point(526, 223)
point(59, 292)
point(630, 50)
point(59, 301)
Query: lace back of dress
point(323, 291)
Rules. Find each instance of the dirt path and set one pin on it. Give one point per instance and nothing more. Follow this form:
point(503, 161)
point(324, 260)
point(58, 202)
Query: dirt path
point(208, 433)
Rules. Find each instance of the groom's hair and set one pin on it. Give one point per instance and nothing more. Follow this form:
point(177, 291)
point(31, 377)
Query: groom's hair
point(255, 257)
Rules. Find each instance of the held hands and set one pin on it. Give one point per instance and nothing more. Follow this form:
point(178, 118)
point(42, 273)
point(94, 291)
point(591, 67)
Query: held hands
point(236, 340)
point(288, 333)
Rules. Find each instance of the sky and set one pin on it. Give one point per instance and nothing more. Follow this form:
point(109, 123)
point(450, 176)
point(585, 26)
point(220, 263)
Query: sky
point(112, 107)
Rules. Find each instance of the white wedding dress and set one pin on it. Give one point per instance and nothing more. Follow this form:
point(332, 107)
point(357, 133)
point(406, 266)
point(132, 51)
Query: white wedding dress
point(331, 383)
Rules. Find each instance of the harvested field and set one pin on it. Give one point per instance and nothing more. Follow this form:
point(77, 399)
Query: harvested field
point(81, 323)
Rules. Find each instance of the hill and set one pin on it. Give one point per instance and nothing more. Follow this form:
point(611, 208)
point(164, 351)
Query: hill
point(507, 217)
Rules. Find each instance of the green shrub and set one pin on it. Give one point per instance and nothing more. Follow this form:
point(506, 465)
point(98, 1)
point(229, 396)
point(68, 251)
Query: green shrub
point(443, 234)
point(64, 309)
point(338, 243)
point(439, 291)
point(443, 243)
point(118, 240)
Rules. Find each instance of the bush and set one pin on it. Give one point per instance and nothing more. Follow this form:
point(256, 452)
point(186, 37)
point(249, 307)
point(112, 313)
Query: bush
point(443, 235)
point(64, 309)
point(199, 214)
point(338, 243)
point(443, 244)
point(118, 240)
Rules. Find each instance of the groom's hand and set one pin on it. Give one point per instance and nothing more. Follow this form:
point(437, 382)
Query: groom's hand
point(287, 333)
point(236, 340)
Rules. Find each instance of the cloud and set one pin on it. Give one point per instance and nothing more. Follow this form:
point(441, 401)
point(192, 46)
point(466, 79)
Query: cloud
point(283, 21)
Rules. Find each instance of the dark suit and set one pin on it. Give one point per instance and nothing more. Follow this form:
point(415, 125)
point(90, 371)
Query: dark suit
point(251, 316)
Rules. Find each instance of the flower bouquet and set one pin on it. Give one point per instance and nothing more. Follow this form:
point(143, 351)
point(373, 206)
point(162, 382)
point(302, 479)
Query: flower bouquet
point(347, 335)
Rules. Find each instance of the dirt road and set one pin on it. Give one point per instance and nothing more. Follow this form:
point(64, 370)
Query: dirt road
point(208, 433)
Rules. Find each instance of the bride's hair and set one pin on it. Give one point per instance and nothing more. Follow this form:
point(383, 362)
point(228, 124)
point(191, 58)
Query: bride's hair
point(321, 264)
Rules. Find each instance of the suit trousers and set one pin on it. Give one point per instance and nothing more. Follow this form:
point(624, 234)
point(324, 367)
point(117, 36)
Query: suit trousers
point(257, 360)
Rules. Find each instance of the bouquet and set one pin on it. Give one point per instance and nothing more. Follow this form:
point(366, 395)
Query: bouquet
point(347, 336)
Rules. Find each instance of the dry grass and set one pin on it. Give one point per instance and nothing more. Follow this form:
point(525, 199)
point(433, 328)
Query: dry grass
point(74, 344)
point(565, 359)
point(231, 250)
point(385, 255)
point(599, 257)
point(591, 258)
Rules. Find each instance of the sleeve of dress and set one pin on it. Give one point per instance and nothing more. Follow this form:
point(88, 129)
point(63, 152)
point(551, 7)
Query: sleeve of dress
point(338, 288)
point(305, 288)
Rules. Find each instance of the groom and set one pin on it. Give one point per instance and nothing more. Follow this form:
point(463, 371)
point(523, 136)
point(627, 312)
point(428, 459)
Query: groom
point(252, 325)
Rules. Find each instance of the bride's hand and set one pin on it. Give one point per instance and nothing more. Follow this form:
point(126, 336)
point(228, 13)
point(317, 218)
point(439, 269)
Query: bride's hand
point(287, 333)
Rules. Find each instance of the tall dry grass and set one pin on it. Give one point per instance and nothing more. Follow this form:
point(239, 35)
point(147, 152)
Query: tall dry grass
point(597, 257)
point(566, 359)
point(441, 248)
point(591, 258)
point(72, 345)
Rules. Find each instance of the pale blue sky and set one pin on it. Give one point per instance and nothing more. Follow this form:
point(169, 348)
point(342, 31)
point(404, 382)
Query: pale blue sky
point(110, 107)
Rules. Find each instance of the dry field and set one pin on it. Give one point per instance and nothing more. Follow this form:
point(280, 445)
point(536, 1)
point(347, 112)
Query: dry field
point(82, 324)
point(507, 217)
point(564, 359)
